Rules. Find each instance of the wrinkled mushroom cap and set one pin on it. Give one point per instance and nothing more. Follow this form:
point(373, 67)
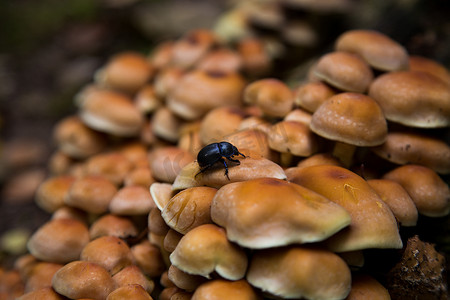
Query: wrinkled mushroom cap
point(81, 279)
point(377, 49)
point(268, 212)
point(412, 98)
point(372, 223)
point(430, 193)
point(206, 249)
point(189, 209)
point(300, 272)
point(351, 118)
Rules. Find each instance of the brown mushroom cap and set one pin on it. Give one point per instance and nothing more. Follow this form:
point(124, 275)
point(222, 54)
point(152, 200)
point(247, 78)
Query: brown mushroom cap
point(110, 112)
point(126, 71)
point(367, 287)
point(59, 240)
point(198, 91)
point(130, 291)
point(351, 118)
point(110, 252)
point(167, 162)
point(132, 200)
point(312, 94)
point(273, 96)
point(205, 249)
point(81, 279)
point(221, 60)
point(372, 223)
point(51, 193)
point(166, 124)
point(300, 272)
point(268, 212)
point(223, 289)
point(256, 60)
point(183, 280)
point(424, 64)
point(114, 166)
point(250, 167)
point(146, 99)
point(148, 258)
point(112, 225)
point(254, 140)
point(76, 139)
point(430, 193)
point(398, 200)
point(44, 293)
point(377, 49)
point(91, 193)
point(412, 98)
point(292, 137)
point(402, 148)
point(299, 115)
point(219, 123)
point(319, 159)
point(40, 276)
point(345, 71)
point(189, 209)
point(133, 275)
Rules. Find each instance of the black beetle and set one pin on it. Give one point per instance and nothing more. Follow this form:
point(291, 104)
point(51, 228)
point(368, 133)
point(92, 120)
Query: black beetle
point(215, 152)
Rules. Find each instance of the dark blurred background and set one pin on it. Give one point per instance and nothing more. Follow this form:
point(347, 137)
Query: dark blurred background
point(49, 49)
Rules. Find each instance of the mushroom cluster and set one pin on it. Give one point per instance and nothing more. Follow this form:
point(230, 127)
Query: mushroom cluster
point(134, 216)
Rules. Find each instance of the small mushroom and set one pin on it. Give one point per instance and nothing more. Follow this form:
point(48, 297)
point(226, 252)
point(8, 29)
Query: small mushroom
point(367, 287)
point(218, 289)
point(51, 193)
point(44, 293)
point(312, 94)
point(300, 272)
point(112, 225)
point(183, 280)
point(40, 276)
point(268, 212)
point(132, 200)
point(219, 123)
point(205, 249)
point(113, 166)
point(346, 71)
point(430, 193)
point(148, 258)
point(81, 279)
point(130, 291)
point(166, 125)
point(167, 162)
point(427, 65)
point(377, 49)
point(132, 275)
point(146, 99)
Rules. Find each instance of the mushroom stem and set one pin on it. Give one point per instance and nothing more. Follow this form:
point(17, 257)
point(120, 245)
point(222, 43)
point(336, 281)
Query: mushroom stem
point(286, 159)
point(344, 152)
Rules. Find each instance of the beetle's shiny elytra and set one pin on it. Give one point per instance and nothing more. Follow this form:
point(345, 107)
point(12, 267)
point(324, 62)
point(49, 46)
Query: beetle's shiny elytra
point(217, 152)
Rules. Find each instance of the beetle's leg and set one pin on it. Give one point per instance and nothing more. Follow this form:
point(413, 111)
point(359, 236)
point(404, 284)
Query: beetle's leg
point(202, 170)
point(239, 153)
point(226, 167)
point(234, 160)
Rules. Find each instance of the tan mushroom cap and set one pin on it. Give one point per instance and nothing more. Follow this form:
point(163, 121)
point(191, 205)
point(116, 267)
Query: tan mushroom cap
point(183, 280)
point(221, 60)
point(312, 94)
point(161, 55)
point(112, 225)
point(427, 65)
point(126, 71)
point(403, 147)
point(114, 166)
point(161, 194)
point(146, 99)
point(273, 96)
point(44, 293)
point(69, 212)
point(76, 139)
point(268, 212)
point(156, 223)
point(110, 252)
point(318, 159)
point(219, 289)
point(198, 91)
point(366, 287)
point(254, 140)
point(166, 80)
point(398, 200)
point(167, 162)
point(91, 193)
point(148, 258)
point(190, 48)
point(299, 115)
point(81, 279)
point(130, 291)
point(292, 137)
point(132, 200)
point(255, 57)
point(430, 193)
point(189, 208)
point(377, 49)
point(412, 98)
point(346, 71)
point(166, 124)
point(255, 122)
point(171, 240)
point(219, 123)
point(40, 276)
point(251, 167)
point(300, 272)
point(206, 249)
point(51, 193)
point(110, 112)
point(352, 118)
point(372, 223)
point(59, 240)
point(133, 275)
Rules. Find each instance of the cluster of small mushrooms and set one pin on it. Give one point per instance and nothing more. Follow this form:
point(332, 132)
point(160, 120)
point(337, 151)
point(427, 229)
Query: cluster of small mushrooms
point(134, 218)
